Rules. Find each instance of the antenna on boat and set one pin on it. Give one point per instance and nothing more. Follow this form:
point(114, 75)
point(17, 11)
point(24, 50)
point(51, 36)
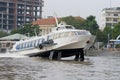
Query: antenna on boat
point(56, 19)
point(35, 32)
point(110, 3)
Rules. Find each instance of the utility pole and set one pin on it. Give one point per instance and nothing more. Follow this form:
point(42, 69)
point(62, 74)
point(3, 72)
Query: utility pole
point(108, 40)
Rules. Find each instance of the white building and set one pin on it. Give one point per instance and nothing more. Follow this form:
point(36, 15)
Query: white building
point(110, 16)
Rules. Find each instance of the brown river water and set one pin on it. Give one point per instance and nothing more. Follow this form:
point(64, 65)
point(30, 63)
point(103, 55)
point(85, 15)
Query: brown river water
point(104, 66)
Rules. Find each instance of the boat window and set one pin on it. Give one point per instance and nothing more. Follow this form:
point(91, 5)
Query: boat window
point(21, 46)
point(43, 39)
point(27, 45)
point(35, 43)
point(80, 33)
point(31, 44)
point(24, 45)
point(69, 27)
point(61, 35)
point(58, 28)
point(18, 47)
point(39, 41)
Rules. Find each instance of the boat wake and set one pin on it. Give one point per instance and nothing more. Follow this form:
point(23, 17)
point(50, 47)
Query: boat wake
point(11, 55)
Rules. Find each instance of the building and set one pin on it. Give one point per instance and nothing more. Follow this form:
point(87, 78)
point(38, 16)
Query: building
point(110, 16)
point(7, 42)
point(46, 25)
point(15, 13)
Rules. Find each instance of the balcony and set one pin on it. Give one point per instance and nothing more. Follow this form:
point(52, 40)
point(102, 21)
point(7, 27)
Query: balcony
point(112, 16)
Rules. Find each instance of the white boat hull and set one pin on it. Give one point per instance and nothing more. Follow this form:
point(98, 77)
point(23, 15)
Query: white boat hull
point(73, 42)
point(63, 44)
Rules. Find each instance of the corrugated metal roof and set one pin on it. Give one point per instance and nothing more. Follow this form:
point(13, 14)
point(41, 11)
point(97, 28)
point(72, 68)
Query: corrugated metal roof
point(14, 37)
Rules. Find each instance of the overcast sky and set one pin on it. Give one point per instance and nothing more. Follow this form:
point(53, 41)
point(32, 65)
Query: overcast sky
point(82, 8)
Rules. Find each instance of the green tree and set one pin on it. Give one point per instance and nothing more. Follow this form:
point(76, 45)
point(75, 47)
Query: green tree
point(107, 34)
point(3, 34)
point(14, 31)
point(91, 24)
point(77, 22)
point(27, 28)
point(100, 36)
point(116, 30)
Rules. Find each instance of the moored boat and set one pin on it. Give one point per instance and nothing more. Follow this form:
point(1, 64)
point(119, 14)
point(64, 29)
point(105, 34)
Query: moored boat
point(63, 41)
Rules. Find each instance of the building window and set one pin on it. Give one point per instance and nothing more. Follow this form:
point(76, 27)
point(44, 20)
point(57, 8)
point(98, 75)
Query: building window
point(115, 14)
point(27, 12)
point(115, 20)
point(27, 19)
point(108, 14)
point(107, 19)
point(28, 7)
point(34, 8)
point(108, 24)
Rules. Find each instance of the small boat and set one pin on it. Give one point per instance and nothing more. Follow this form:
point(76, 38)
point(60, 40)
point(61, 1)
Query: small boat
point(63, 41)
point(116, 41)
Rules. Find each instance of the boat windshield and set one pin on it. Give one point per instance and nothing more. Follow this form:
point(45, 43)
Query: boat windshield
point(69, 27)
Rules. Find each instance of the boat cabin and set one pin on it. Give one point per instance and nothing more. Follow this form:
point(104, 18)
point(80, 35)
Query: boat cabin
point(62, 27)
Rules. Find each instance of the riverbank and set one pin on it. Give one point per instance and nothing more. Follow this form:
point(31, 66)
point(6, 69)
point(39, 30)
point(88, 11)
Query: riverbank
point(101, 52)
